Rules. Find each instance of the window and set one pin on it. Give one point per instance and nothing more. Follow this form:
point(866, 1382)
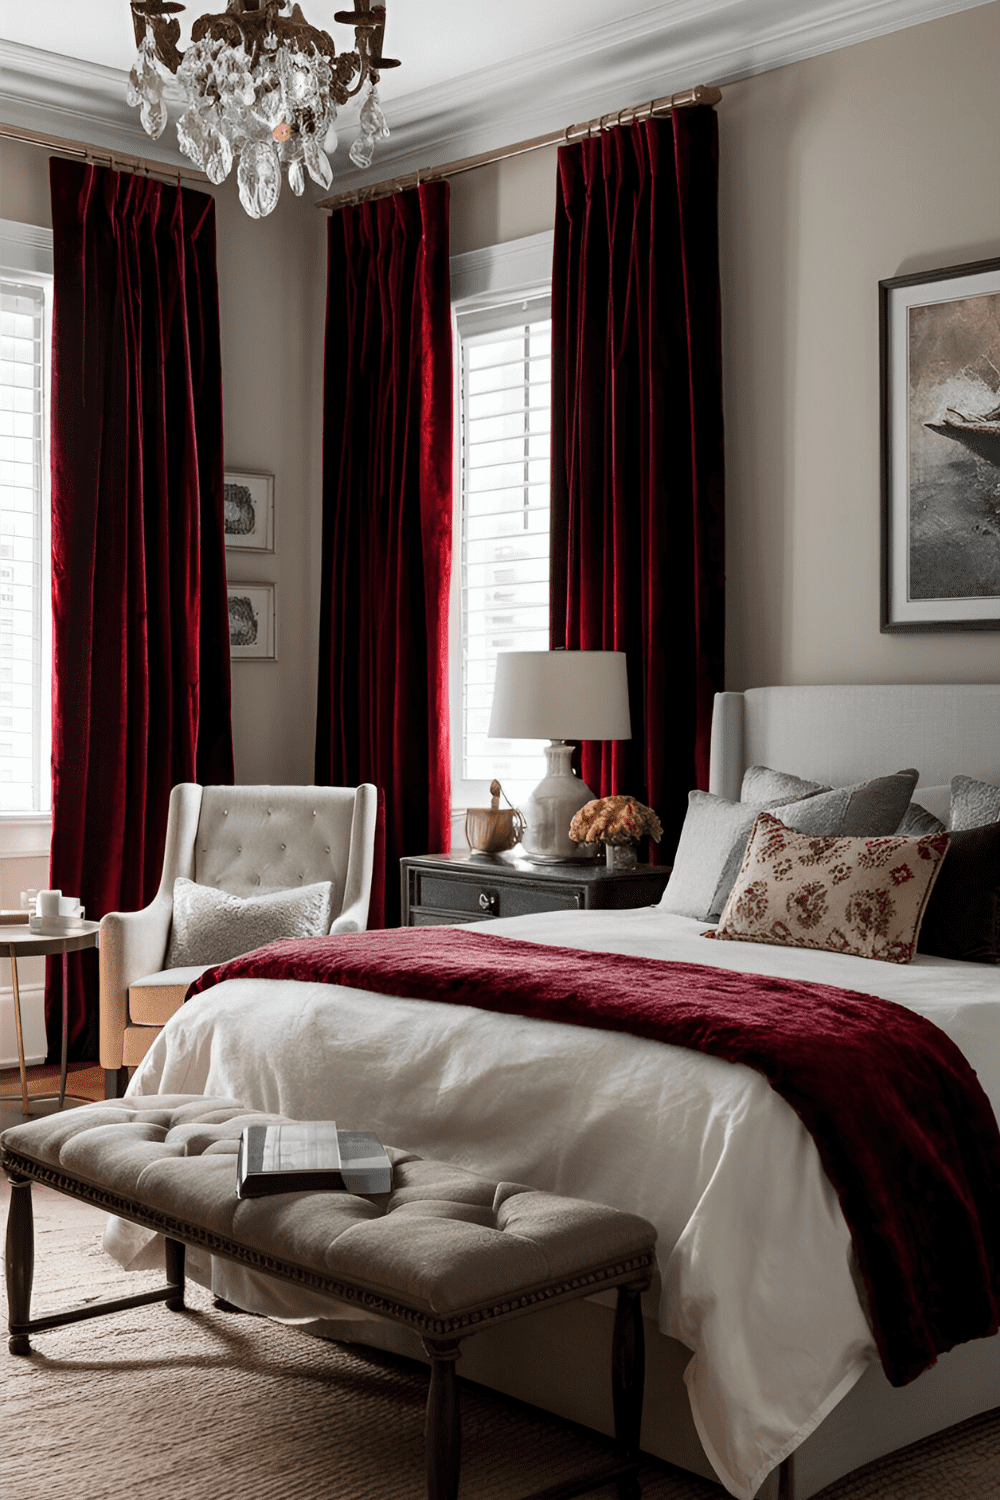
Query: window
point(501, 556)
point(25, 610)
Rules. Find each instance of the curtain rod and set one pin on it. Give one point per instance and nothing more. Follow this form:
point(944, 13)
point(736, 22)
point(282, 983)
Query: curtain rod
point(99, 154)
point(654, 109)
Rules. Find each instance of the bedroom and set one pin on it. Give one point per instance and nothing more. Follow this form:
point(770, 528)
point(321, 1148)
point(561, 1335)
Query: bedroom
point(837, 170)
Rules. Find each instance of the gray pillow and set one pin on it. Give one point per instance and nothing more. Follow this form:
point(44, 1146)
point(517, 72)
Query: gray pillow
point(974, 804)
point(714, 837)
point(868, 809)
point(764, 786)
point(210, 925)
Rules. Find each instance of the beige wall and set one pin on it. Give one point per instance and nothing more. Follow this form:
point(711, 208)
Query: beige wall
point(872, 162)
point(272, 293)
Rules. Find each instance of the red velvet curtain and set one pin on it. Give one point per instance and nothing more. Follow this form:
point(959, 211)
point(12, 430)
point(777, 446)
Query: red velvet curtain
point(637, 445)
point(141, 695)
point(382, 712)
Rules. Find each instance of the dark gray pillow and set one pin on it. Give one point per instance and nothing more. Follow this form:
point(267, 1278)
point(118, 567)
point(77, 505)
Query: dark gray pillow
point(974, 804)
point(767, 787)
point(868, 809)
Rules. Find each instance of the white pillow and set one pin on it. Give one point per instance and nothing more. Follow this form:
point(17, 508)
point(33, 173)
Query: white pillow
point(210, 925)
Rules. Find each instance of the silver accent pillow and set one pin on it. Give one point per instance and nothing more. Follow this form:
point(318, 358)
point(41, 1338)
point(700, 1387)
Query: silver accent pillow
point(918, 821)
point(210, 925)
point(974, 804)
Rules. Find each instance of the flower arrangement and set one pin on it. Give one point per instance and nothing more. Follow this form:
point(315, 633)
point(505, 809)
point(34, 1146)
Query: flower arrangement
point(615, 821)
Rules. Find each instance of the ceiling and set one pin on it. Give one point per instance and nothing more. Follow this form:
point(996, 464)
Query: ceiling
point(473, 76)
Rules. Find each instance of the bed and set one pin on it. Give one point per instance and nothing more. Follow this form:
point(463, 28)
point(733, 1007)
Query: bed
point(762, 1372)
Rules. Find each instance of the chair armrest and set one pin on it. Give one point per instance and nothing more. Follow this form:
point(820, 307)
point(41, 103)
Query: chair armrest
point(132, 945)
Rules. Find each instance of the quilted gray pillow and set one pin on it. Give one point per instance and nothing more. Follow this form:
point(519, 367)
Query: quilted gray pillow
point(974, 804)
point(210, 925)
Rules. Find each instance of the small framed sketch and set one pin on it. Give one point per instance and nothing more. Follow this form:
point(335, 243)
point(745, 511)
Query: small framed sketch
point(251, 622)
point(940, 397)
point(248, 506)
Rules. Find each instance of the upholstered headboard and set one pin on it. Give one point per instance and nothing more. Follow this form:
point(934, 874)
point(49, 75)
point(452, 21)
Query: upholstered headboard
point(841, 734)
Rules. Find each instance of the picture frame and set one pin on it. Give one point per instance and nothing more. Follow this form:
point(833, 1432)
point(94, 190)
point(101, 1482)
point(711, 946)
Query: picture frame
point(248, 511)
point(252, 623)
point(939, 347)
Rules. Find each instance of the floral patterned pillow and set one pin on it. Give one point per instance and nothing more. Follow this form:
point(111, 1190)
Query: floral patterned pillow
point(846, 895)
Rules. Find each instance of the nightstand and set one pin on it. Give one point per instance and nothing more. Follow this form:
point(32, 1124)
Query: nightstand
point(441, 889)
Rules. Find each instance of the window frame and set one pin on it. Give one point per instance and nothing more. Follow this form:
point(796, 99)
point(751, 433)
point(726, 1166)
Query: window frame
point(482, 281)
point(26, 256)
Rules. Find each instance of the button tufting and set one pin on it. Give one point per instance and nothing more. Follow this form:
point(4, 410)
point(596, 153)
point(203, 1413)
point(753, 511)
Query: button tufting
point(256, 880)
point(328, 848)
point(239, 848)
point(314, 812)
point(282, 846)
point(225, 812)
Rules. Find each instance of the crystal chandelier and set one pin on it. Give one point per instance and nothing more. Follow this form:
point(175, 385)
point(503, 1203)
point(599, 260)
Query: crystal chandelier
point(260, 87)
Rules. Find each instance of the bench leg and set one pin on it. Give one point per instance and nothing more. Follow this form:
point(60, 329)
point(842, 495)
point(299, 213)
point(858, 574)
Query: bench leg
point(628, 1374)
point(174, 1254)
point(443, 1427)
point(20, 1261)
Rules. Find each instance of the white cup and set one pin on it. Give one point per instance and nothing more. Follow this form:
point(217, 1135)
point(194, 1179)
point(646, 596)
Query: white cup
point(48, 903)
point(69, 906)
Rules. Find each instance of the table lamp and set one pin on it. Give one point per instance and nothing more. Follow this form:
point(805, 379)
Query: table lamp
point(559, 696)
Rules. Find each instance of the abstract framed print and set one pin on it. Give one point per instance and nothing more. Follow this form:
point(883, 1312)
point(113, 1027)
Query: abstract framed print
point(252, 635)
point(940, 401)
point(248, 510)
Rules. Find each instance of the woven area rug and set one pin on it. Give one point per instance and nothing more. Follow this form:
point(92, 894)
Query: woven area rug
point(219, 1406)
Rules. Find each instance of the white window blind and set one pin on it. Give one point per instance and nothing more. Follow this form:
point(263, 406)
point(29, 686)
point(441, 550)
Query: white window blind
point(502, 550)
point(25, 619)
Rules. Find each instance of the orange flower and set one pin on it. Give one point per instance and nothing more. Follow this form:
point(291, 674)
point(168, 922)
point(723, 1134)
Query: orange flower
point(282, 132)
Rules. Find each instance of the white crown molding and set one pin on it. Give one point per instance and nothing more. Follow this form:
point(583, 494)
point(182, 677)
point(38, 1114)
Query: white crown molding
point(661, 52)
point(669, 47)
point(80, 101)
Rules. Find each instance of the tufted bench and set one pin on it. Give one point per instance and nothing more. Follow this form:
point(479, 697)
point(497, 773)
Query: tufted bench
point(447, 1252)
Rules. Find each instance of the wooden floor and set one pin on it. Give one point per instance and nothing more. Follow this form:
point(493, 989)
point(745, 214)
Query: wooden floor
point(85, 1079)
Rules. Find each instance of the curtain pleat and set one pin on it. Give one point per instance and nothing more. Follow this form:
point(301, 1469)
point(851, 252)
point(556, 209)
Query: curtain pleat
point(637, 443)
point(382, 712)
point(141, 685)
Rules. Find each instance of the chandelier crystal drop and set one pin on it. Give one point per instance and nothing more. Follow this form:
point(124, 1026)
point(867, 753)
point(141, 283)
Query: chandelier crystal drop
point(260, 88)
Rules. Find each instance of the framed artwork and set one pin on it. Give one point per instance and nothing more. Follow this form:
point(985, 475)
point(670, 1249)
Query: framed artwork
point(940, 399)
point(252, 622)
point(248, 508)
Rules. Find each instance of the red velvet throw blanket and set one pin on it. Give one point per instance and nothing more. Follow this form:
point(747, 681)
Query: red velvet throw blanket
point(903, 1128)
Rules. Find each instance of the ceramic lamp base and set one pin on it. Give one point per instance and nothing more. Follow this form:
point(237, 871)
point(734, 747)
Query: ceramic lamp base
point(549, 811)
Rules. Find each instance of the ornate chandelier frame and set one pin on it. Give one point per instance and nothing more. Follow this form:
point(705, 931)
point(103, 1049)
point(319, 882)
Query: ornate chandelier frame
point(261, 86)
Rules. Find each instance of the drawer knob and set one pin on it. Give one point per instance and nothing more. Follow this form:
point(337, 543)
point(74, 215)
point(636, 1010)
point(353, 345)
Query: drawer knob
point(487, 901)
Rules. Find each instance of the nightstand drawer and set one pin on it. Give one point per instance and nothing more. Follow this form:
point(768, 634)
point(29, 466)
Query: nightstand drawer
point(484, 897)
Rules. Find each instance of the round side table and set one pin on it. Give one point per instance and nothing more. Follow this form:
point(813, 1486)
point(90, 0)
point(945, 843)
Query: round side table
point(18, 941)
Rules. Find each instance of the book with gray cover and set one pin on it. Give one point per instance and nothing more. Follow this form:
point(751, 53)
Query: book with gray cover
point(310, 1156)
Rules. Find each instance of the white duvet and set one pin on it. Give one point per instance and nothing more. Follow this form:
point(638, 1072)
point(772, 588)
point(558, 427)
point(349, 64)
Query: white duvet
point(753, 1250)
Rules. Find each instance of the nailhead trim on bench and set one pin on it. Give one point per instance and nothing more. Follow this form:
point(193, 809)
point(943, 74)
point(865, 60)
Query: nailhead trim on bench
point(192, 1234)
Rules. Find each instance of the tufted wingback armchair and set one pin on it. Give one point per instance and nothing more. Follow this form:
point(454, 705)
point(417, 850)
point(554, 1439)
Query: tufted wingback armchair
point(246, 840)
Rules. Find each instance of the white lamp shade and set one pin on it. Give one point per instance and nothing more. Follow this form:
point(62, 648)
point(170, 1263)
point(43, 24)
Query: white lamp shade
point(560, 695)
